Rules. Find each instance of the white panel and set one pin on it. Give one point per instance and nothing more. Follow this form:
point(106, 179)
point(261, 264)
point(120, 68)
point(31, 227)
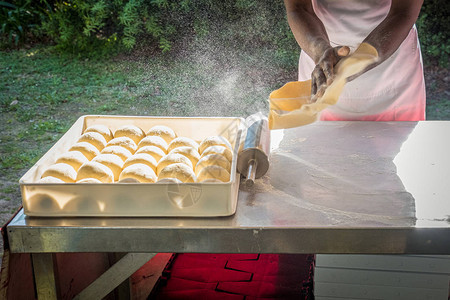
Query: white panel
point(386, 262)
point(347, 291)
point(381, 278)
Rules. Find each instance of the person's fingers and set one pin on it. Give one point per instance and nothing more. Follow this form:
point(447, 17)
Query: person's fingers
point(318, 82)
point(343, 51)
point(328, 72)
point(321, 90)
point(314, 81)
point(313, 87)
point(321, 79)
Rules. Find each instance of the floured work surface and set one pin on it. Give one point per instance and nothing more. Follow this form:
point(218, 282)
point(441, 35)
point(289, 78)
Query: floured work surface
point(332, 187)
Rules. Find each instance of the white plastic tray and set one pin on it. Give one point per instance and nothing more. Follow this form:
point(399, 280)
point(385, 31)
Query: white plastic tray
point(134, 199)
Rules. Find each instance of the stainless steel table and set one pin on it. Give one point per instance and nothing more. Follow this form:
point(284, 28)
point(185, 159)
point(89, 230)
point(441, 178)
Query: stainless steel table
point(332, 187)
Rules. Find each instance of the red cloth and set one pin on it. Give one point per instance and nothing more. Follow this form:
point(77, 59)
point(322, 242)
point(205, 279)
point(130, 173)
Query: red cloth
point(234, 276)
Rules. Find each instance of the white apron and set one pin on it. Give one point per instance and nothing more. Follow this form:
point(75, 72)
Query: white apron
point(392, 91)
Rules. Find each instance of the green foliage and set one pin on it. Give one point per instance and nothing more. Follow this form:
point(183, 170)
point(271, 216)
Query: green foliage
point(102, 27)
point(433, 26)
point(17, 20)
point(84, 26)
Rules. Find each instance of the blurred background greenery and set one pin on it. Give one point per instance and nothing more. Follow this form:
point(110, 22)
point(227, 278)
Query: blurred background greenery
point(100, 27)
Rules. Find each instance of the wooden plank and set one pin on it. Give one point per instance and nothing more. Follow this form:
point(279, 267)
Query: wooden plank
point(44, 276)
point(114, 276)
point(144, 279)
point(123, 291)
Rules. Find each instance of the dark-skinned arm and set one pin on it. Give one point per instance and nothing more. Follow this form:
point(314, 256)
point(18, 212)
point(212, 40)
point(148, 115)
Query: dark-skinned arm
point(310, 34)
point(312, 37)
point(393, 30)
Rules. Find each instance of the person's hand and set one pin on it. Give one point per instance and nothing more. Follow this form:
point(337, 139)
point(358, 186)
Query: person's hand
point(324, 72)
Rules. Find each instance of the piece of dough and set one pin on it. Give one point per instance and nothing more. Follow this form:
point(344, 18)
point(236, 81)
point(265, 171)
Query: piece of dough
point(125, 142)
point(141, 158)
point(131, 131)
point(172, 158)
point(121, 152)
point(93, 138)
point(213, 172)
point(154, 140)
point(73, 158)
point(154, 151)
point(112, 161)
point(95, 170)
point(189, 152)
point(211, 160)
point(162, 131)
point(102, 129)
point(50, 179)
point(87, 149)
point(288, 105)
point(181, 142)
point(179, 171)
point(224, 151)
point(214, 141)
point(139, 172)
point(83, 205)
point(89, 180)
point(61, 171)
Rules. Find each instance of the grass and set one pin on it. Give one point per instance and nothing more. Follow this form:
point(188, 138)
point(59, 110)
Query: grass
point(437, 109)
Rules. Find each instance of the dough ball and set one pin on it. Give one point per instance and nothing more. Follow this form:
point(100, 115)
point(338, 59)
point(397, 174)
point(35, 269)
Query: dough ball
point(169, 180)
point(125, 142)
point(121, 152)
point(189, 152)
point(179, 171)
point(141, 158)
point(102, 129)
point(87, 149)
point(95, 170)
point(154, 140)
point(162, 131)
point(214, 141)
point(213, 172)
point(50, 179)
point(73, 158)
point(181, 142)
point(112, 161)
point(89, 180)
point(43, 203)
point(139, 172)
point(154, 151)
point(131, 131)
point(61, 171)
point(212, 160)
point(172, 158)
point(224, 151)
point(83, 205)
point(93, 138)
